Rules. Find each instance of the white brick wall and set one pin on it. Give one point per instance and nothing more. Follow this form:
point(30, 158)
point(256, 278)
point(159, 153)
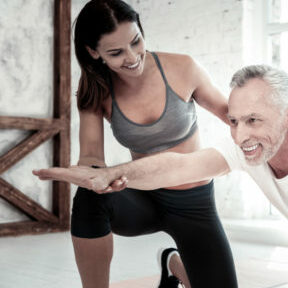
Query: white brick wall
point(209, 30)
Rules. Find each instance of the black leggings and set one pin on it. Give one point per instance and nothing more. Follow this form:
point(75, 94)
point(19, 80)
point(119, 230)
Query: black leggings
point(188, 216)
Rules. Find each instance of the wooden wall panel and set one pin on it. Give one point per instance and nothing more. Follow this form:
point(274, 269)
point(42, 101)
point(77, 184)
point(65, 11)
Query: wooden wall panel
point(57, 128)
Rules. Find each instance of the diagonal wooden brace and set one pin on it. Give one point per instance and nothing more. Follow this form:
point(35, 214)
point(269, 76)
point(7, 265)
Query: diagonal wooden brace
point(24, 203)
point(24, 148)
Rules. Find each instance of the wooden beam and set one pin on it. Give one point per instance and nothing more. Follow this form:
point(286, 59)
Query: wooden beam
point(62, 66)
point(29, 227)
point(62, 92)
point(24, 203)
point(27, 123)
point(24, 148)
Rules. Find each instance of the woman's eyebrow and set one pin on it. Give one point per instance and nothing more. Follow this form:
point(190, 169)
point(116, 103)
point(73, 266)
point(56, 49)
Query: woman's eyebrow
point(117, 49)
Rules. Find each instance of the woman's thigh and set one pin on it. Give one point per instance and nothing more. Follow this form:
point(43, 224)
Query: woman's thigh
point(135, 213)
point(129, 213)
point(195, 226)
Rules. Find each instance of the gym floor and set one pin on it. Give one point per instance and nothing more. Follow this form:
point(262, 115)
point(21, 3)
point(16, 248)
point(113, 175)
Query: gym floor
point(48, 261)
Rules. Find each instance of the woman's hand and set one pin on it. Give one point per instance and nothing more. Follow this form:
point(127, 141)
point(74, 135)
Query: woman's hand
point(83, 176)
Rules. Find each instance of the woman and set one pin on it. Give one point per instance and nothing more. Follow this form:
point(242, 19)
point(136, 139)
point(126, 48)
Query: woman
point(148, 98)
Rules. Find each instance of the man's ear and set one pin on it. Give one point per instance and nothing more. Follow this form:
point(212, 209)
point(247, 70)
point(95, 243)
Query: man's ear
point(93, 53)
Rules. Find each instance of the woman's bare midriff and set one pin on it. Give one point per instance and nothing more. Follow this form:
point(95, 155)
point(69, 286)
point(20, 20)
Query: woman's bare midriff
point(190, 145)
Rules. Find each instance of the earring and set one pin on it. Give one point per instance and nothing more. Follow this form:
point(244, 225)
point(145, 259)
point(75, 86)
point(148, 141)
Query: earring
point(103, 61)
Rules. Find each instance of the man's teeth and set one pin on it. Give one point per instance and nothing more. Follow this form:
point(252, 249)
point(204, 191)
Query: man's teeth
point(251, 148)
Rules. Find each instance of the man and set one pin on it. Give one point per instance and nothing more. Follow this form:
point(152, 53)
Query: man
point(258, 115)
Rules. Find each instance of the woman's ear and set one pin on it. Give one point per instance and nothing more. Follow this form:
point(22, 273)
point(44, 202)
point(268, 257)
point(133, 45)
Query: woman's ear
point(93, 53)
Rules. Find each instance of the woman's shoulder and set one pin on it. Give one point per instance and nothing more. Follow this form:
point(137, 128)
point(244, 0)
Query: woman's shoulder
point(177, 61)
point(175, 58)
point(182, 65)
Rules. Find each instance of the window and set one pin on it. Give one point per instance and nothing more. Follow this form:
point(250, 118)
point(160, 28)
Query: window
point(277, 29)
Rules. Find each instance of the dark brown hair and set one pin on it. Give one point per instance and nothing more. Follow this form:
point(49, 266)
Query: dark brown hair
point(98, 17)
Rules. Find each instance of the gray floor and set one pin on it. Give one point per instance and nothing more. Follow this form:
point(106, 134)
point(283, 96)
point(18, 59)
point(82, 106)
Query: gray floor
point(47, 261)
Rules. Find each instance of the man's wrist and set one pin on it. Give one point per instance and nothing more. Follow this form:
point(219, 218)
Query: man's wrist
point(113, 173)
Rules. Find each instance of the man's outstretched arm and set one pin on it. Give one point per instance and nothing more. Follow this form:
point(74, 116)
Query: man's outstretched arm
point(171, 169)
point(161, 170)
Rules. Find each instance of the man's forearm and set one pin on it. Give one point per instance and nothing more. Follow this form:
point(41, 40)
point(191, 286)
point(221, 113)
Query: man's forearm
point(170, 169)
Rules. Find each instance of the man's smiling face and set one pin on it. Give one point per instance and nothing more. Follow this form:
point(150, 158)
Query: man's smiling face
point(256, 124)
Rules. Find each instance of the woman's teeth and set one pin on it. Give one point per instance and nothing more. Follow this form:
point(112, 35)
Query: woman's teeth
point(133, 66)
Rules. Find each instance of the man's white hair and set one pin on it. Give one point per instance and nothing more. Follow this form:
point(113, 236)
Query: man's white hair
point(277, 79)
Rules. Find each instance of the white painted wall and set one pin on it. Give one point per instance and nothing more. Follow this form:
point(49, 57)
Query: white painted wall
point(211, 31)
point(26, 57)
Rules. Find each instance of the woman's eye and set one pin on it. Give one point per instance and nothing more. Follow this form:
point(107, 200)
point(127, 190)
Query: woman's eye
point(136, 41)
point(115, 54)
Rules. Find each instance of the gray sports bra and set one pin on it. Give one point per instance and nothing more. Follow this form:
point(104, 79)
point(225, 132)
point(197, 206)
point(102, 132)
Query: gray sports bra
point(177, 123)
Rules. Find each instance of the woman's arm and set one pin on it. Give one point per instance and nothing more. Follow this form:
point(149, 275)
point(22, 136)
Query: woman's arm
point(91, 138)
point(206, 94)
point(148, 173)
